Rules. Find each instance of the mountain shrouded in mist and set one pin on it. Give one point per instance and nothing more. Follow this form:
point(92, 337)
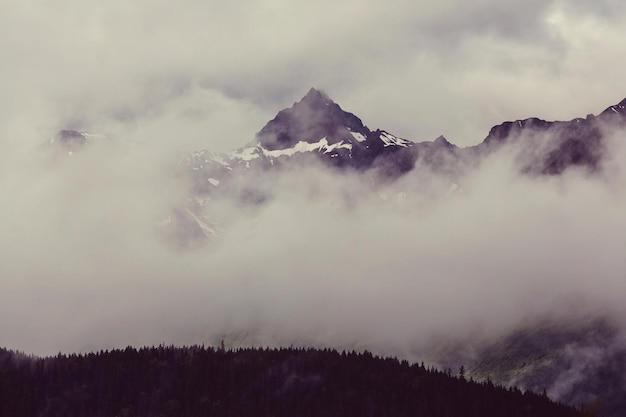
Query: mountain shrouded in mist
point(505, 257)
point(314, 117)
point(317, 127)
point(320, 126)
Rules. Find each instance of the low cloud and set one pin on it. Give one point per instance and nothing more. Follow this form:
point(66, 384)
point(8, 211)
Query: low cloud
point(327, 260)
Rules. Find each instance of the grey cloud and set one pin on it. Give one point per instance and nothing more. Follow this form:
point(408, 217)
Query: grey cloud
point(86, 270)
point(505, 19)
point(416, 69)
point(81, 260)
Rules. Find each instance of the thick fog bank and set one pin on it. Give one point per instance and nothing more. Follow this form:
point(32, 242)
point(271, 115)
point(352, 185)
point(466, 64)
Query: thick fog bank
point(328, 260)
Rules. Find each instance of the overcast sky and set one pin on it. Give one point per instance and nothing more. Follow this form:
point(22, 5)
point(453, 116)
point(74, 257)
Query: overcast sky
point(209, 74)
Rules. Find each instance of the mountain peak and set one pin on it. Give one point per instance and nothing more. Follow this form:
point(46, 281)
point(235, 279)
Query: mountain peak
point(442, 141)
point(315, 96)
point(309, 120)
point(614, 113)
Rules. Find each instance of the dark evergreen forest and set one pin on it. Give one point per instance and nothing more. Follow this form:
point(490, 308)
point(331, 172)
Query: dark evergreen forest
point(194, 381)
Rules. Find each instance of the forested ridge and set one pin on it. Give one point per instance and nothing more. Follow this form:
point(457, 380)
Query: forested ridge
point(194, 381)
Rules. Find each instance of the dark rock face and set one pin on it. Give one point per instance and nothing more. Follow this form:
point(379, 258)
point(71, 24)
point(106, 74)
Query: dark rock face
point(555, 146)
point(616, 113)
point(513, 130)
point(314, 117)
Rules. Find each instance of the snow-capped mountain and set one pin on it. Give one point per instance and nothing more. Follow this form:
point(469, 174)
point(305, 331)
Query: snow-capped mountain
point(318, 129)
point(316, 126)
point(313, 126)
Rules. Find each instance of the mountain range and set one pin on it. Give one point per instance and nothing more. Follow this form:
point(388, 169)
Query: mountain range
point(317, 125)
point(317, 129)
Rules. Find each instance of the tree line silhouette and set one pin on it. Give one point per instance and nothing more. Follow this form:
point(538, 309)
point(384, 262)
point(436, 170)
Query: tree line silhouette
point(167, 381)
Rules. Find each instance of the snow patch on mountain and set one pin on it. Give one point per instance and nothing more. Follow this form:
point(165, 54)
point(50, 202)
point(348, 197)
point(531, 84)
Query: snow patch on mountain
point(391, 140)
point(322, 146)
point(358, 136)
point(203, 224)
